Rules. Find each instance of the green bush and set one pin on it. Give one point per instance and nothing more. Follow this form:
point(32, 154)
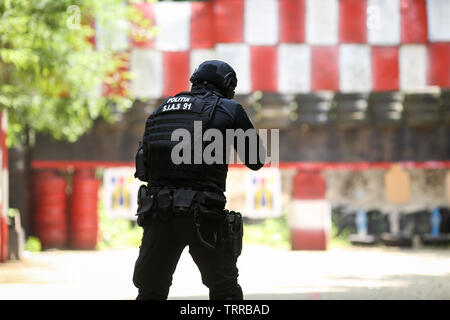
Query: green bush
point(117, 233)
point(272, 232)
point(33, 244)
point(341, 240)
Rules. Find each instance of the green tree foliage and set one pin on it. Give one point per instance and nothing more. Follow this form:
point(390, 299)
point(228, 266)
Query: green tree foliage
point(50, 73)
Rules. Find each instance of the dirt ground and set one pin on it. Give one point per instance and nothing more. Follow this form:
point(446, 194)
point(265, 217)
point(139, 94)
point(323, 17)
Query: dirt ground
point(265, 273)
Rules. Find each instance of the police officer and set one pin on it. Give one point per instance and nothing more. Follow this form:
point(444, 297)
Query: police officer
point(184, 203)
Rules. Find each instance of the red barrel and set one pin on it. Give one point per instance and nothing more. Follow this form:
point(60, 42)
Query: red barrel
point(83, 217)
point(3, 237)
point(49, 204)
point(309, 185)
point(310, 214)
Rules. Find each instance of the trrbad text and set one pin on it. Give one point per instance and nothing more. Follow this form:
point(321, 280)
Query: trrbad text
point(242, 309)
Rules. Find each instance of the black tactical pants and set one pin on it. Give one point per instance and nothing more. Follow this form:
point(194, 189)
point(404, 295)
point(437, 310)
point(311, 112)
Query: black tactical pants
point(161, 247)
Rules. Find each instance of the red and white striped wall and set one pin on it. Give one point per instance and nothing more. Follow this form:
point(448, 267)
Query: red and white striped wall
point(289, 46)
point(309, 217)
point(4, 187)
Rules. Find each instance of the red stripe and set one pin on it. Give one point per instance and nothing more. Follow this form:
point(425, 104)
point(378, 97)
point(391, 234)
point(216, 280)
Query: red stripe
point(301, 166)
point(50, 164)
point(385, 69)
point(439, 64)
point(308, 185)
point(229, 20)
point(414, 21)
point(309, 239)
point(176, 72)
point(352, 21)
point(292, 20)
point(3, 237)
point(202, 25)
point(140, 37)
point(324, 68)
point(350, 166)
point(264, 68)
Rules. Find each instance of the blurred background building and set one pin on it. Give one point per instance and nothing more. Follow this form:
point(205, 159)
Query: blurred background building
point(354, 86)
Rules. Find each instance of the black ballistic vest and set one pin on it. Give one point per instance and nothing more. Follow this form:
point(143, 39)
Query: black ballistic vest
point(180, 112)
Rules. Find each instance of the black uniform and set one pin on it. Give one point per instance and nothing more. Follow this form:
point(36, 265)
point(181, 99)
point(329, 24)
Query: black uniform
point(184, 203)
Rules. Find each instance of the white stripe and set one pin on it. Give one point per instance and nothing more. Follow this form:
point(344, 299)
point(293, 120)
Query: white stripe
point(413, 67)
point(294, 68)
point(322, 22)
point(174, 25)
point(261, 22)
point(147, 68)
point(112, 34)
point(354, 68)
point(438, 13)
point(310, 214)
point(383, 22)
point(200, 55)
point(238, 56)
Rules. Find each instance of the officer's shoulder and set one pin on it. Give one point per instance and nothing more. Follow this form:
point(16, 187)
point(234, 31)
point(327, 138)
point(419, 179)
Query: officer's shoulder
point(229, 102)
point(230, 105)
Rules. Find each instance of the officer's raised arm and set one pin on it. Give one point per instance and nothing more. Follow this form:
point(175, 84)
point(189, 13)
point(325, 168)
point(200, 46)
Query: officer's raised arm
point(254, 152)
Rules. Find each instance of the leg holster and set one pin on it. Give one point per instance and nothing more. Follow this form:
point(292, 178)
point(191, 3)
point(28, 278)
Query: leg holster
point(234, 231)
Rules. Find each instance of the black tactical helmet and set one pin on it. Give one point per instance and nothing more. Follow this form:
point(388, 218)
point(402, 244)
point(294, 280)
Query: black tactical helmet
point(218, 73)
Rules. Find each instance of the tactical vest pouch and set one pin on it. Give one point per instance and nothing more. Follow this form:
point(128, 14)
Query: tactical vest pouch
point(164, 203)
point(182, 201)
point(145, 205)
